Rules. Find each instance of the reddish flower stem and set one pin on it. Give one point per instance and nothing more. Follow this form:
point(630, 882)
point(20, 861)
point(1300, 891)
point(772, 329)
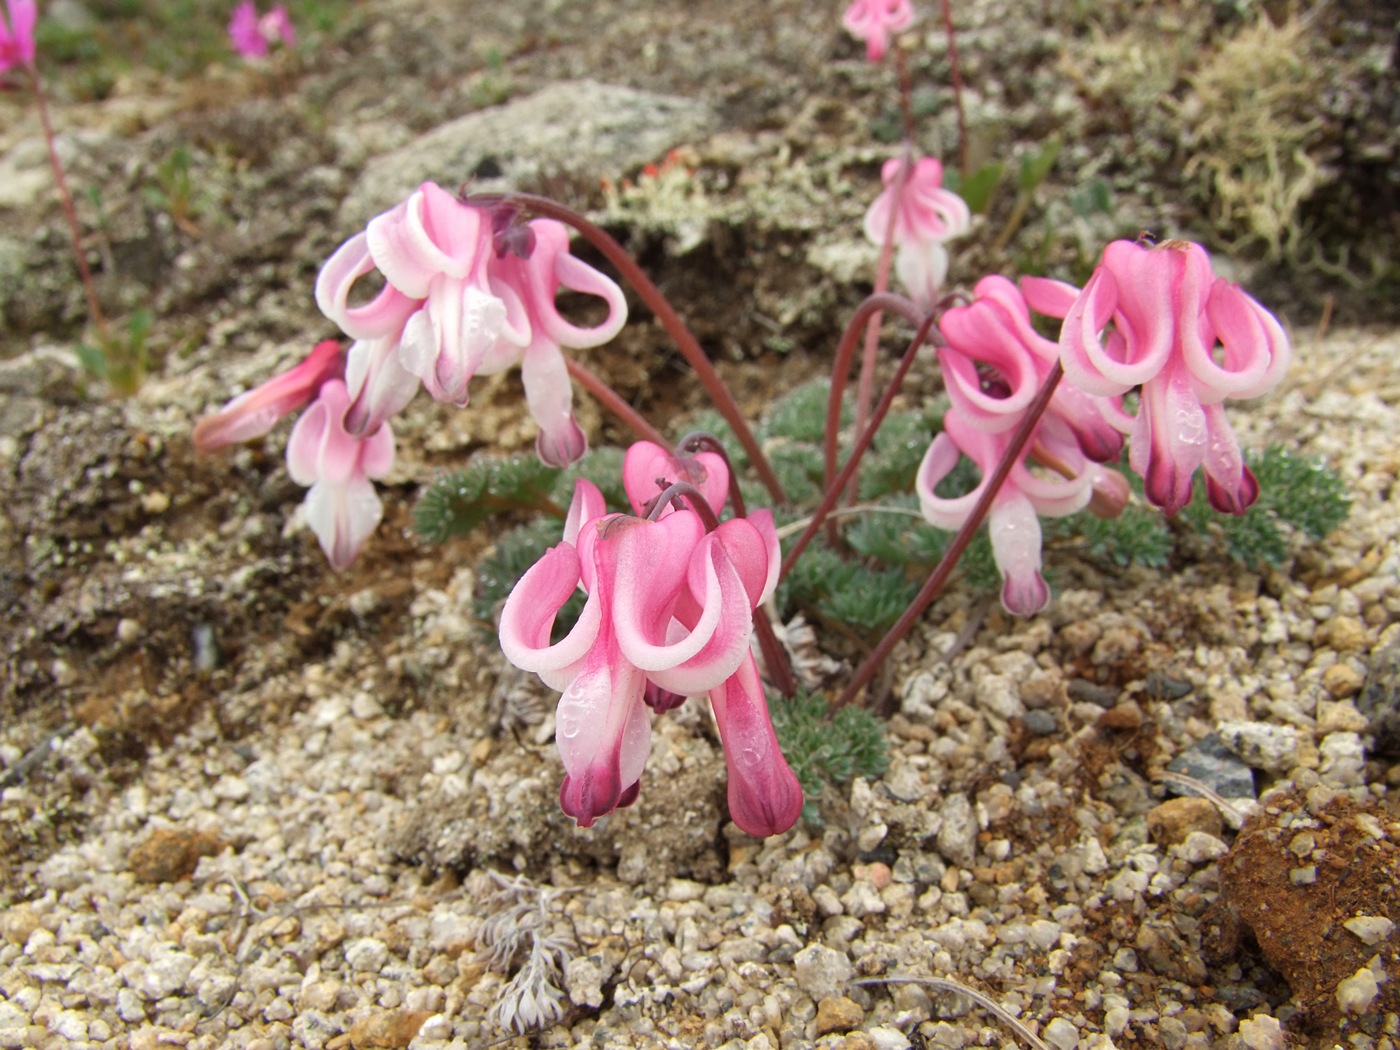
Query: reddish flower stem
point(871, 310)
point(684, 339)
point(613, 402)
point(939, 577)
point(866, 384)
point(848, 472)
point(65, 198)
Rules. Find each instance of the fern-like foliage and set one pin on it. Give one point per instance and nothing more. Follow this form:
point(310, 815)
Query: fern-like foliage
point(827, 750)
point(458, 503)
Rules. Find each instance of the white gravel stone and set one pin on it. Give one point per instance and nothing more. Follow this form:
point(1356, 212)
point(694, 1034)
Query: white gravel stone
point(1356, 993)
point(1370, 929)
point(821, 971)
point(1261, 745)
point(367, 954)
point(1343, 760)
point(957, 838)
point(1061, 1034)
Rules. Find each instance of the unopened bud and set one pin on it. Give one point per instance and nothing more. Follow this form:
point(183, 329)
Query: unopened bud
point(1111, 493)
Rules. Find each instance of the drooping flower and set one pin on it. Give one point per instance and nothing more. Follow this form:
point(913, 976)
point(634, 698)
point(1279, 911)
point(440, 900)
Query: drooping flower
point(17, 34)
point(1012, 522)
point(464, 297)
point(1156, 316)
point(252, 34)
point(669, 614)
point(875, 21)
point(925, 217)
point(342, 507)
point(994, 334)
point(253, 414)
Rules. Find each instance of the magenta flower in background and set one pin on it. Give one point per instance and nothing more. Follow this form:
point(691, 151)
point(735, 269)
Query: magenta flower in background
point(927, 216)
point(342, 507)
point(1156, 316)
point(252, 34)
point(17, 34)
point(253, 414)
point(875, 21)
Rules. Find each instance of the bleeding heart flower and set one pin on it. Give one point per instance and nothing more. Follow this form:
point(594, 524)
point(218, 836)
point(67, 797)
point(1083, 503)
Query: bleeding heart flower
point(875, 21)
point(17, 34)
point(925, 216)
point(252, 34)
point(1157, 317)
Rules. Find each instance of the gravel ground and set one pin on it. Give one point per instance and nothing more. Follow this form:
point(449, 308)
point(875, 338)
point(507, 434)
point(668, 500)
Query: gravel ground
point(256, 894)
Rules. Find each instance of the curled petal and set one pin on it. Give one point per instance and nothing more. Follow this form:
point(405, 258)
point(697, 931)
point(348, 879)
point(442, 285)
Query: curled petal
point(549, 266)
point(528, 618)
point(1256, 350)
point(762, 520)
point(940, 459)
point(253, 414)
point(429, 235)
point(383, 316)
point(765, 797)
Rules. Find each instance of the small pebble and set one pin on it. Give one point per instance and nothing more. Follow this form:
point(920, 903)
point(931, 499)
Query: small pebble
point(1356, 993)
point(1370, 929)
point(836, 1013)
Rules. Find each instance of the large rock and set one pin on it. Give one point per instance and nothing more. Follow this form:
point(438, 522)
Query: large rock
point(580, 129)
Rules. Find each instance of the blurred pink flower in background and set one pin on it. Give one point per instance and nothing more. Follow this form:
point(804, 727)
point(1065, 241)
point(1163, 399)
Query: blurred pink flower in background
point(252, 34)
point(874, 21)
point(926, 216)
point(17, 34)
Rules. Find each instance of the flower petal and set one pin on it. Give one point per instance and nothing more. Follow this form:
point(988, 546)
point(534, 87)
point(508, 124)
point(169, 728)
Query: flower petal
point(765, 797)
point(528, 616)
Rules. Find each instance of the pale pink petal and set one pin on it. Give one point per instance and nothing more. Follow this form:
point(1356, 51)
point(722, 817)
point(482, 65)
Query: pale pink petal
point(253, 414)
point(602, 730)
point(343, 515)
point(1169, 440)
point(762, 520)
point(1015, 534)
point(922, 267)
point(550, 397)
point(940, 459)
point(648, 470)
point(529, 612)
point(765, 797)
point(379, 386)
point(384, 315)
point(1049, 297)
point(1256, 348)
point(587, 505)
point(244, 33)
point(549, 266)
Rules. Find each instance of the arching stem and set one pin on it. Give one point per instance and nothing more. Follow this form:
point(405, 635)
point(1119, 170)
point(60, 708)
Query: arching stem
point(939, 577)
point(835, 487)
point(684, 339)
point(614, 402)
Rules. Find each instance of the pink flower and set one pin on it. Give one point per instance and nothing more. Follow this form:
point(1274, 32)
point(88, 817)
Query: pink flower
point(253, 414)
point(453, 306)
point(251, 35)
point(1012, 521)
point(1190, 340)
point(669, 610)
point(926, 216)
point(17, 34)
point(342, 507)
point(648, 470)
point(996, 361)
point(874, 21)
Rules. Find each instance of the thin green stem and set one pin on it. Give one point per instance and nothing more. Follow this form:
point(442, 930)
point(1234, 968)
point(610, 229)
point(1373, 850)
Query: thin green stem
point(684, 339)
point(834, 490)
point(939, 577)
point(614, 402)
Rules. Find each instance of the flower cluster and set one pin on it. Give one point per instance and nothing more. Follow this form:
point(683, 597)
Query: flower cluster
point(252, 34)
point(1151, 316)
point(925, 216)
point(465, 291)
point(669, 614)
point(17, 34)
